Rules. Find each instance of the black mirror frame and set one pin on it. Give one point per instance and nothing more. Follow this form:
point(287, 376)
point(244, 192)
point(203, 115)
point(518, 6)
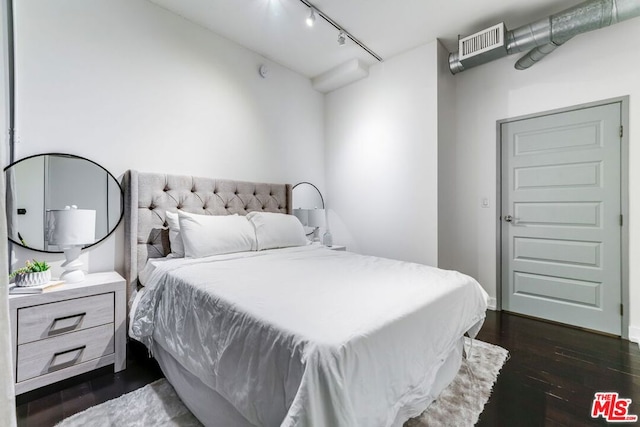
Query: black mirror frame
point(90, 161)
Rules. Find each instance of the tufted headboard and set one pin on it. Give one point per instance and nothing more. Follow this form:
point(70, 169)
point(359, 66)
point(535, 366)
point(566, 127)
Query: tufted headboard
point(149, 195)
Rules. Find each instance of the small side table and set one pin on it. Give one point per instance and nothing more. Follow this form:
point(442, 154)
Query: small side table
point(68, 330)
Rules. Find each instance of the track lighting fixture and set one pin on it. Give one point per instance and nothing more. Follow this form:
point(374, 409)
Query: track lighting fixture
point(342, 35)
point(312, 17)
point(341, 38)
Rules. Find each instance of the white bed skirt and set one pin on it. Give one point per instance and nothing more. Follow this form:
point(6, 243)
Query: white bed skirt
point(215, 411)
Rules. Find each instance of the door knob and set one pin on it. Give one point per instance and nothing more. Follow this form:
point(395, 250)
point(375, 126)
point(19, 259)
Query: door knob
point(508, 218)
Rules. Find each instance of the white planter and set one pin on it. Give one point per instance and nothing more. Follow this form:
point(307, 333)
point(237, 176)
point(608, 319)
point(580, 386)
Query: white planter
point(33, 279)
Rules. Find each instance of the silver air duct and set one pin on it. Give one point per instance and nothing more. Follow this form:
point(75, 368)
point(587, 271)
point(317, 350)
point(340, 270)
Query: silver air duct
point(541, 37)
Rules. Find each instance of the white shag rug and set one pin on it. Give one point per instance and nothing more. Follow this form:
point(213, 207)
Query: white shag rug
point(156, 404)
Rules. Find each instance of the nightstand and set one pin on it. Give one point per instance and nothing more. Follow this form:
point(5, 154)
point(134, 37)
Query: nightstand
point(69, 330)
point(337, 248)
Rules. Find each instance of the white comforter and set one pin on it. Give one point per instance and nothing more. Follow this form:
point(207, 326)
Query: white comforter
point(309, 336)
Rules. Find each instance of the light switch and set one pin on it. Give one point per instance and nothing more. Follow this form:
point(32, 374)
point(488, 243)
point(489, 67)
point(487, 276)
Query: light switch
point(484, 202)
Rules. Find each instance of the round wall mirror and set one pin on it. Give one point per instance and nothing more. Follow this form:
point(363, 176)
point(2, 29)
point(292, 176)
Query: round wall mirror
point(51, 181)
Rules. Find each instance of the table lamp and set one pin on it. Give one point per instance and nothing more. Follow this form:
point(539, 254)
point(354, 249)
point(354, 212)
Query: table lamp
point(71, 229)
point(316, 220)
point(302, 215)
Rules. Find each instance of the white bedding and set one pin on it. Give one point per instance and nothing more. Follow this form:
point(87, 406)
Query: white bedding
point(307, 336)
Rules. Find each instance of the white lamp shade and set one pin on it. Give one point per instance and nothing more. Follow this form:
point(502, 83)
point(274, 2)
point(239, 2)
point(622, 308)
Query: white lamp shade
point(302, 215)
point(316, 218)
point(70, 227)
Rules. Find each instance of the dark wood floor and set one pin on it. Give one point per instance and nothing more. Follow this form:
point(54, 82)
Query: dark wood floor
point(554, 371)
point(549, 380)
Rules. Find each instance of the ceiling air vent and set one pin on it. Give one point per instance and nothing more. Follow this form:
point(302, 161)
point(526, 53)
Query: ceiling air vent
point(483, 46)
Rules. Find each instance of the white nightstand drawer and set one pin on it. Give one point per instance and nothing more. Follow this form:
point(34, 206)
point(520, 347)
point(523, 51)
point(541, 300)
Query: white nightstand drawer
point(49, 320)
point(54, 354)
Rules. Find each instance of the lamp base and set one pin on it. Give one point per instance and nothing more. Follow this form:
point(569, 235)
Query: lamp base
point(72, 276)
point(72, 266)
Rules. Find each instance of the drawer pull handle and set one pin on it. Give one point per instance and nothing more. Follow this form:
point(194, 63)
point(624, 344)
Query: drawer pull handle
point(60, 353)
point(67, 328)
point(57, 319)
point(56, 366)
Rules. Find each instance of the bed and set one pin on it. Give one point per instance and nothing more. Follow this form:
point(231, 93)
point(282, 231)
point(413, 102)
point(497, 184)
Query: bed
point(294, 336)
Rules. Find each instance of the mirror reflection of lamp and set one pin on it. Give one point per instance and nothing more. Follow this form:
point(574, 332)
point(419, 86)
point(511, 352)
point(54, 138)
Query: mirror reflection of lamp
point(71, 229)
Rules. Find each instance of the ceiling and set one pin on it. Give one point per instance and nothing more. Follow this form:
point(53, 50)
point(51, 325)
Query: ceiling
point(276, 29)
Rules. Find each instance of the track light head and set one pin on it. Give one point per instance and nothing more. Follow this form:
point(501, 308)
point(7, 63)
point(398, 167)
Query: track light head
point(342, 38)
point(311, 19)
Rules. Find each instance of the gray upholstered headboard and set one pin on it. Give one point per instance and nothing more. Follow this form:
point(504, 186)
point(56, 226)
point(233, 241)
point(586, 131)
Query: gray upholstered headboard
point(149, 195)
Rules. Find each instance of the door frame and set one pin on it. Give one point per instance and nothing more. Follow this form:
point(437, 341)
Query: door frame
point(624, 197)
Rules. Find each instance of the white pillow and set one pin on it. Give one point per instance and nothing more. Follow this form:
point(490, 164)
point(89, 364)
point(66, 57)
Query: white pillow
point(175, 238)
point(205, 235)
point(276, 230)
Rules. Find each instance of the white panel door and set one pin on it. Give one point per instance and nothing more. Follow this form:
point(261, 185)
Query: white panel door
point(561, 217)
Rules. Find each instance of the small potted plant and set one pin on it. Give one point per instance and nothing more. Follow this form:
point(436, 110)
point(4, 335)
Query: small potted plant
point(32, 274)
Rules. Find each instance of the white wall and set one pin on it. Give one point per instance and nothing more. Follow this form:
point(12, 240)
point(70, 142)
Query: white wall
point(131, 86)
point(382, 159)
point(446, 156)
point(591, 67)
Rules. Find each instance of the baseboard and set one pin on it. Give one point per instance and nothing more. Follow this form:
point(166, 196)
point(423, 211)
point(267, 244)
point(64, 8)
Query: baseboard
point(493, 304)
point(634, 334)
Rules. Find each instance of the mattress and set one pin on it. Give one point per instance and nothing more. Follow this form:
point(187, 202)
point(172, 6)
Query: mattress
point(307, 336)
